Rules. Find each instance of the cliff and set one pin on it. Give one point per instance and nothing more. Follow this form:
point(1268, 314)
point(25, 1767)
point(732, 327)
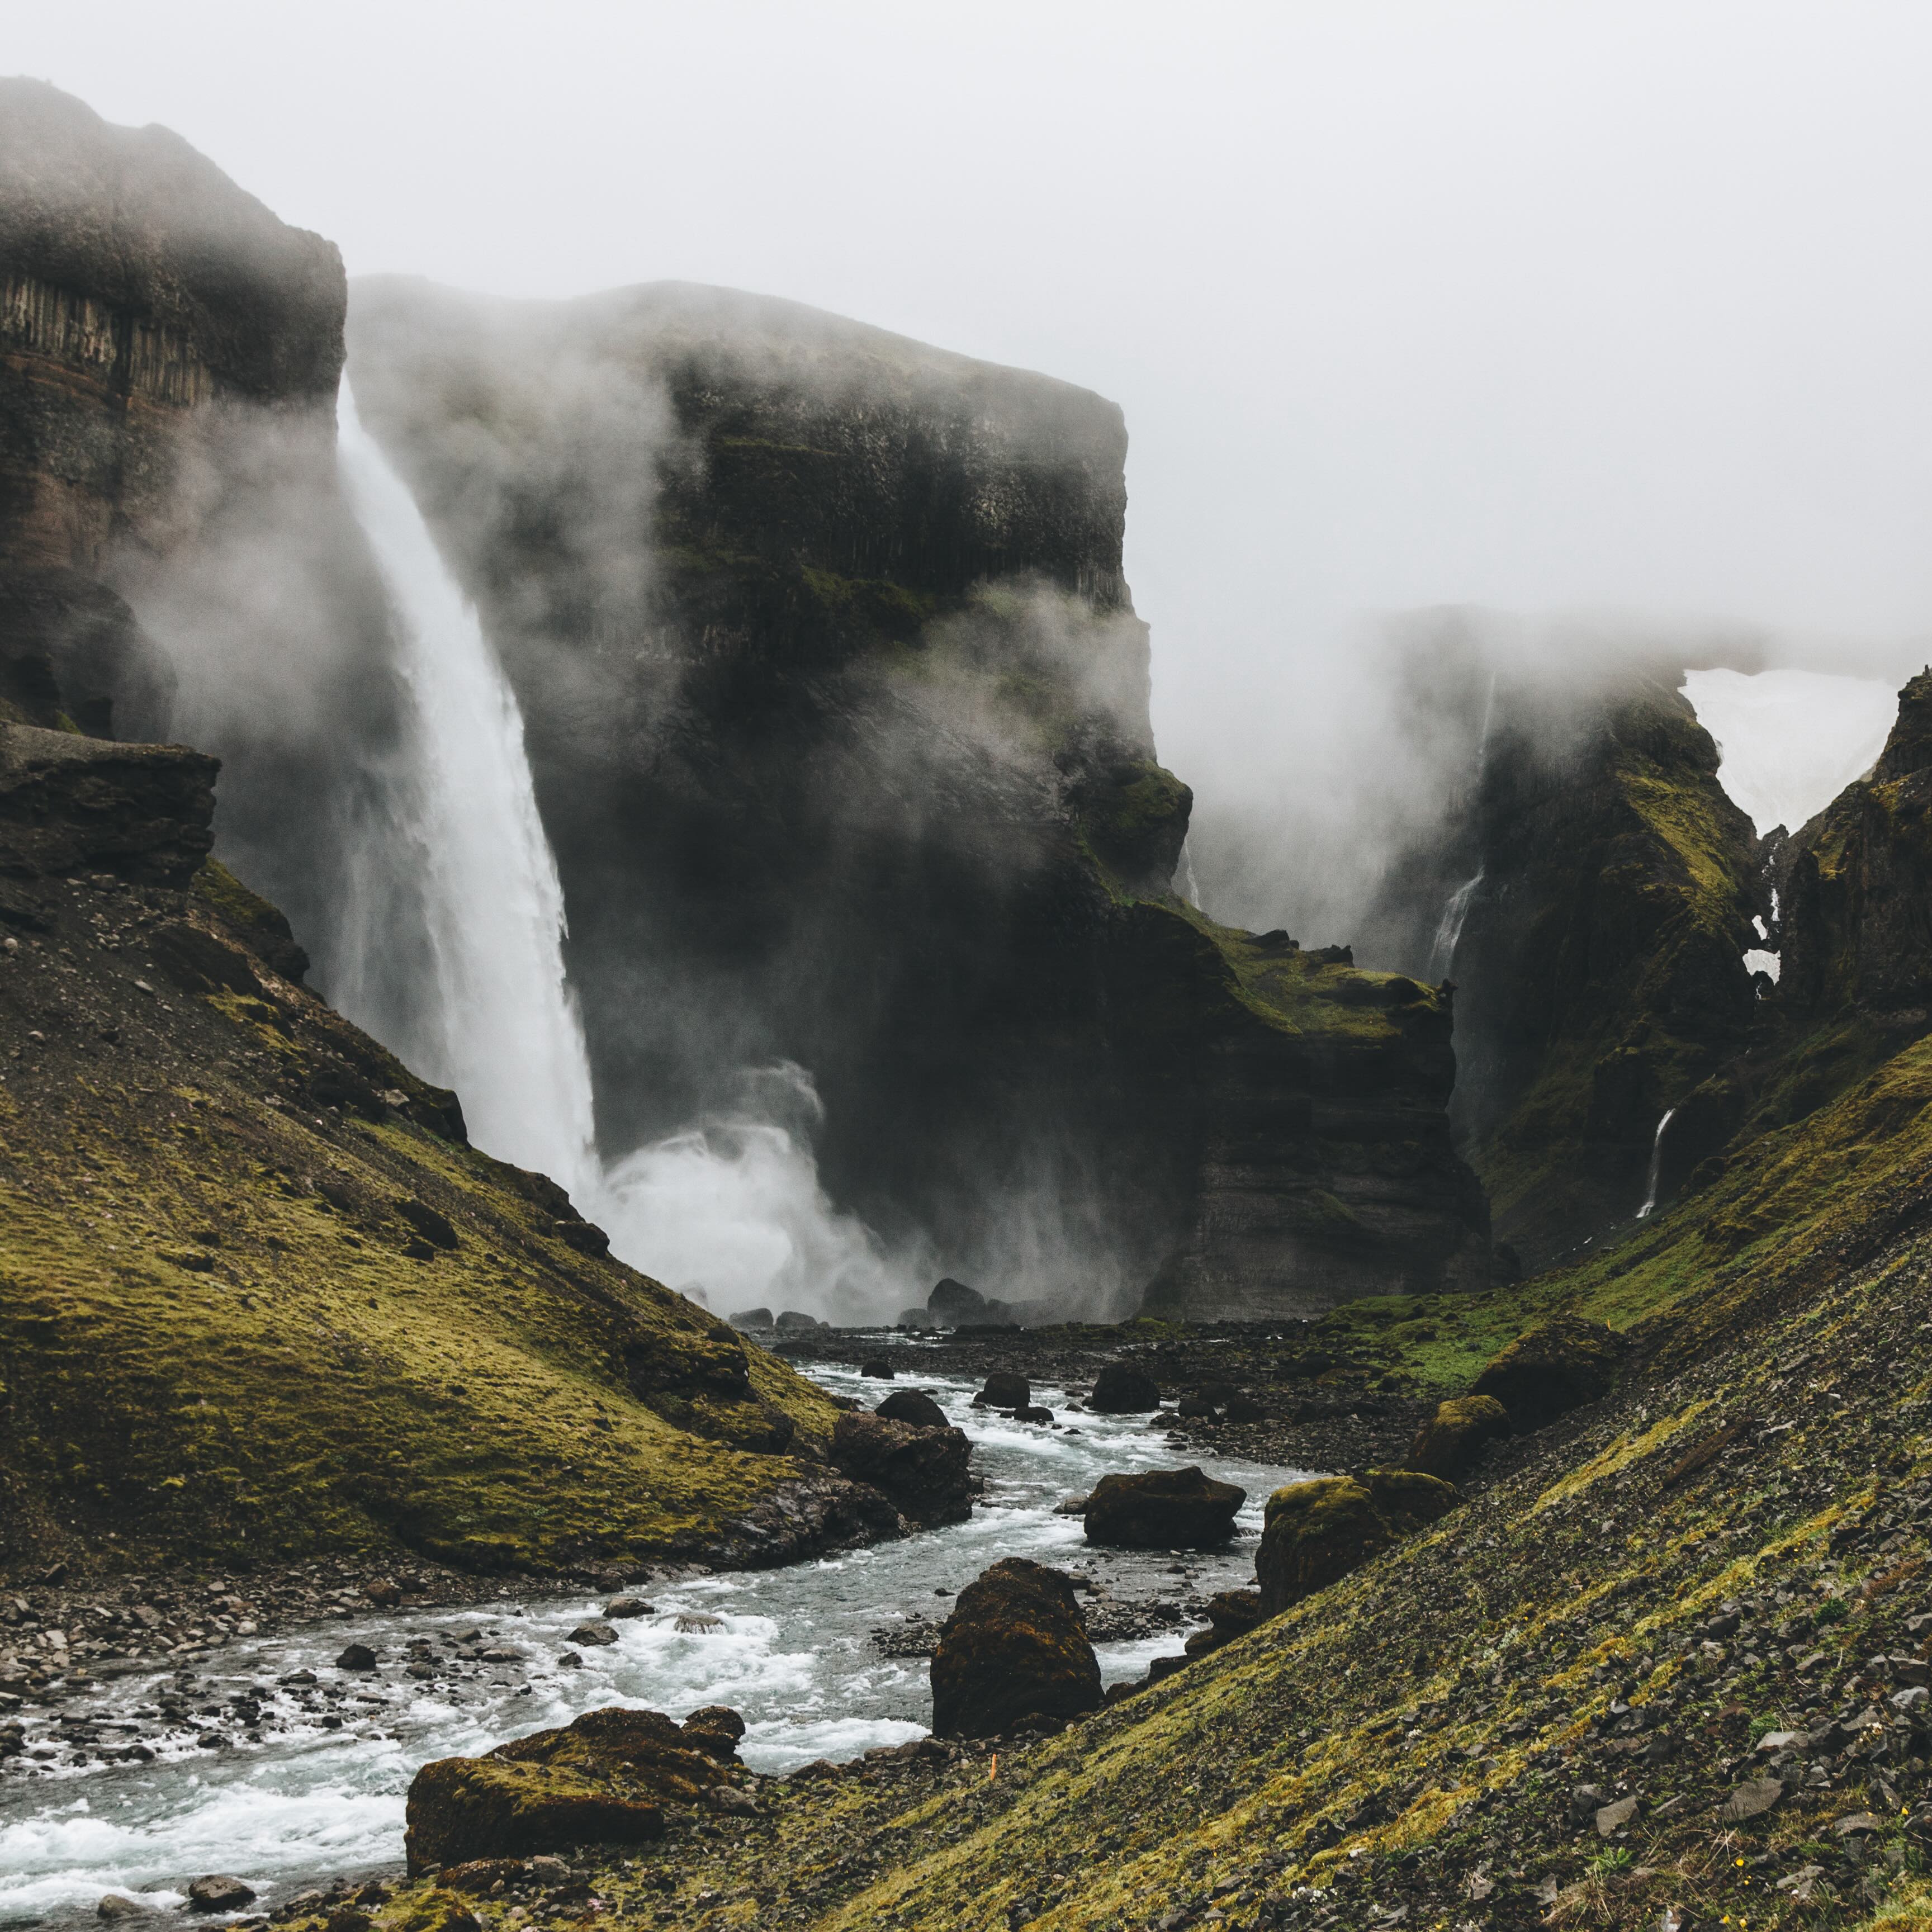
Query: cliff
point(837, 708)
point(1592, 897)
point(258, 1298)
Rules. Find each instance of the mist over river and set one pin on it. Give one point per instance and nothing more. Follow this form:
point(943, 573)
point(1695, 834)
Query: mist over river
point(793, 1650)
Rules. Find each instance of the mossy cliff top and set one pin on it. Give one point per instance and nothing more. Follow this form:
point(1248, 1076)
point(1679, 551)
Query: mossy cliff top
point(259, 1298)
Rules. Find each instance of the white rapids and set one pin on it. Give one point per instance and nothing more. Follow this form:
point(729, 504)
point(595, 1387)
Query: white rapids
point(793, 1651)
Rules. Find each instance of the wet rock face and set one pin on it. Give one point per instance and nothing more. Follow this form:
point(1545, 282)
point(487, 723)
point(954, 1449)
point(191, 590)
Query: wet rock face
point(837, 708)
point(1163, 1509)
point(1317, 1532)
point(1552, 1369)
point(602, 1780)
point(922, 1471)
point(1449, 1443)
point(1014, 1652)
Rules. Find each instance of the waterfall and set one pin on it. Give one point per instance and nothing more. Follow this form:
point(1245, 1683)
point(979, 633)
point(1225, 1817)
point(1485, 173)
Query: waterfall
point(497, 1021)
point(1190, 889)
point(1656, 1164)
point(1449, 928)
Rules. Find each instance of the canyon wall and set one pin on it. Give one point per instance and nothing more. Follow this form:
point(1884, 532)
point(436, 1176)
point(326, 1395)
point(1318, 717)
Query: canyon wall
point(836, 703)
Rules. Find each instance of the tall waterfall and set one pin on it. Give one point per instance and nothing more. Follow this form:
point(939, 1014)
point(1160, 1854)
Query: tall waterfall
point(1644, 1213)
point(497, 1022)
point(1449, 927)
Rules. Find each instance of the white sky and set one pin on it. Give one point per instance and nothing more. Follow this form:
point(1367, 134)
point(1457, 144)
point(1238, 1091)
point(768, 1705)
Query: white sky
point(1601, 305)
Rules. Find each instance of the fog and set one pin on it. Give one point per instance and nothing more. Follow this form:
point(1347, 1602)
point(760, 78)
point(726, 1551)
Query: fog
point(1602, 306)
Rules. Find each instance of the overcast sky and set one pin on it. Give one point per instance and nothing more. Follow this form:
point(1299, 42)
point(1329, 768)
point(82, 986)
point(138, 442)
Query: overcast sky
point(1533, 305)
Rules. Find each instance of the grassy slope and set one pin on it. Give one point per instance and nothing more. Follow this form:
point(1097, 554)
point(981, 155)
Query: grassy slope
point(205, 1355)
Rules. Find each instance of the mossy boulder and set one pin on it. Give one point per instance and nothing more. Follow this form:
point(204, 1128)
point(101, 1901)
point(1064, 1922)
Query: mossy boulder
point(1231, 1613)
point(1449, 1442)
point(1162, 1509)
point(603, 1780)
point(1317, 1532)
point(1553, 1368)
point(922, 1470)
point(1014, 1652)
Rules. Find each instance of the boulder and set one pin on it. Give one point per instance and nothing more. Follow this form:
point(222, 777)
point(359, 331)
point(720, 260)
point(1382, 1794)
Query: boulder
point(1231, 1613)
point(118, 1905)
point(1318, 1531)
point(1449, 1443)
point(592, 1631)
point(619, 1608)
point(219, 1893)
point(356, 1657)
point(751, 1318)
point(794, 1320)
point(1032, 1412)
point(878, 1369)
point(922, 1471)
point(603, 1780)
point(1240, 1407)
point(1119, 1389)
point(915, 1406)
point(1162, 1509)
point(952, 1302)
point(715, 1730)
point(1552, 1369)
point(384, 1591)
point(1004, 1390)
point(1014, 1652)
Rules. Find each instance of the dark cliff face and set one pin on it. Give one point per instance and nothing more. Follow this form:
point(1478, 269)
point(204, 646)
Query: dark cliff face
point(837, 709)
point(1607, 887)
point(175, 557)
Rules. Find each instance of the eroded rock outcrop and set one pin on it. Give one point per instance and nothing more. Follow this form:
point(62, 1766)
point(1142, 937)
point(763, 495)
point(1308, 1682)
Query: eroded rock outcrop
point(1013, 1653)
point(1450, 1442)
point(923, 1470)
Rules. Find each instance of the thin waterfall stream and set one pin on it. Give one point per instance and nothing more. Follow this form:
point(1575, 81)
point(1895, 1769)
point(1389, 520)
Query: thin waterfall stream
point(1644, 1213)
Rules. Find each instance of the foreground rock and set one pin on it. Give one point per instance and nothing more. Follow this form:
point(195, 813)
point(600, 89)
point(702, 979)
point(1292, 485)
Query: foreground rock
point(922, 1471)
point(1552, 1369)
point(1317, 1532)
point(1014, 1652)
point(1448, 1444)
point(1165, 1509)
point(1231, 1613)
point(604, 1779)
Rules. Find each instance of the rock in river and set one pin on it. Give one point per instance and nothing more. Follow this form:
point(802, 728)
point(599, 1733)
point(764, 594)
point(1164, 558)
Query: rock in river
point(592, 1630)
point(219, 1893)
point(1014, 1651)
point(1004, 1390)
point(1163, 1509)
point(603, 1780)
point(912, 1405)
point(923, 1471)
point(1119, 1389)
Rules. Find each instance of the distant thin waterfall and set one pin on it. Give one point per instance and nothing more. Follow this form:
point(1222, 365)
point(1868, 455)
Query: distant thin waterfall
point(1190, 889)
point(498, 1022)
point(1643, 1213)
point(1449, 928)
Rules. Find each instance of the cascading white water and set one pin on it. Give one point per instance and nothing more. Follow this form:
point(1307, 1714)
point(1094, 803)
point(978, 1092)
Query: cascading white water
point(1449, 928)
point(498, 1023)
point(1644, 1213)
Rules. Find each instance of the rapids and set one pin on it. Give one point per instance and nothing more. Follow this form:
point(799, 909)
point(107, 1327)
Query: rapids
point(793, 1651)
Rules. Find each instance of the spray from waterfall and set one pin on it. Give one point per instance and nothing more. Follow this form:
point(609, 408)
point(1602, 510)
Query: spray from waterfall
point(1644, 1213)
point(731, 1209)
point(497, 1022)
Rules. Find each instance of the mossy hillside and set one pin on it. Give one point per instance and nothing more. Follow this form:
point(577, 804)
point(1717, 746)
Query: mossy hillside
point(1414, 1731)
point(226, 1338)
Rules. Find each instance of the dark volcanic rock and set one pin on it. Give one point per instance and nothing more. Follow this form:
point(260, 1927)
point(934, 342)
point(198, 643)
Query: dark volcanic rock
point(923, 1471)
point(219, 1893)
point(604, 1779)
point(1318, 1531)
point(1231, 1613)
point(890, 739)
point(1451, 1440)
point(914, 1406)
point(1120, 1389)
point(1013, 1651)
point(1552, 1369)
point(1004, 1389)
point(1163, 1509)
point(952, 1302)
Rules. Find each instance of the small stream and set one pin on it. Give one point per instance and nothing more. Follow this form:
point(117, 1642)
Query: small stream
point(322, 1794)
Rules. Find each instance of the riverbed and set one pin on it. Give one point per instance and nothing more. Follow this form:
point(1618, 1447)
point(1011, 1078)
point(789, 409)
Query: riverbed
point(314, 1787)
